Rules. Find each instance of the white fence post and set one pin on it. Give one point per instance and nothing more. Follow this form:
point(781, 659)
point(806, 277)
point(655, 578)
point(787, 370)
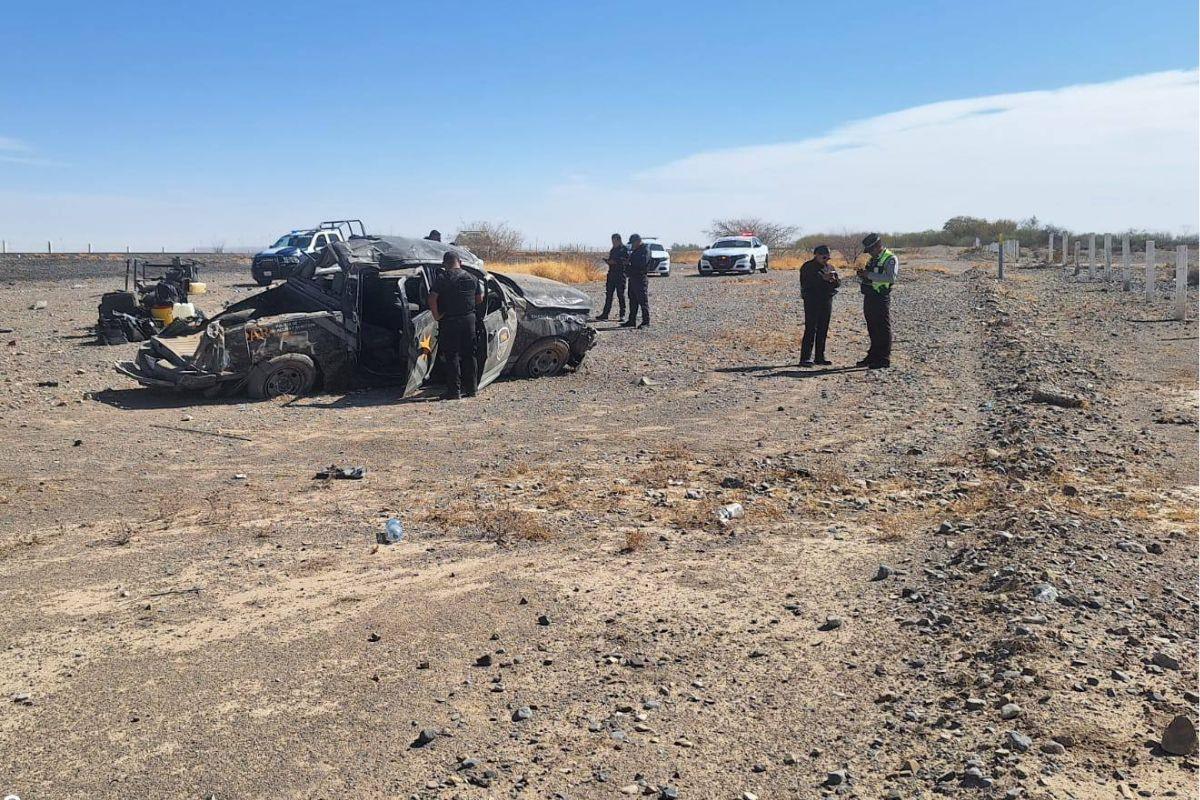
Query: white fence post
point(1150, 276)
point(1091, 258)
point(1181, 270)
point(1066, 247)
point(1078, 248)
point(4, 246)
point(1126, 265)
point(1050, 253)
point(1108, 256)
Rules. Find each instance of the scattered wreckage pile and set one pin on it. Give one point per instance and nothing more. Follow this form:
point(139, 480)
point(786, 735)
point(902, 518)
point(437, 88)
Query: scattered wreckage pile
point(149, 307)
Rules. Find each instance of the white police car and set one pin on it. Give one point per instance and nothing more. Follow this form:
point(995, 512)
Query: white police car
point(660, 257)
point(736, 254)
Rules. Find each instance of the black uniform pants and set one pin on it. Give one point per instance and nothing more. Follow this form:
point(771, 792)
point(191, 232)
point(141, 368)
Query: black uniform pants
point(456, 345)
point(639, 296)
point(817, 309)
point(614, 284)
point(877, 311)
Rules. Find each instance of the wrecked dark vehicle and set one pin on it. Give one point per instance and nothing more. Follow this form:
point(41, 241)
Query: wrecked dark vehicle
point(360, 313)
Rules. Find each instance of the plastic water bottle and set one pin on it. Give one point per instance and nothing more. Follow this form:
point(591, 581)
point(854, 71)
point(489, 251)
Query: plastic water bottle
point(731, 512)
point(393, 531)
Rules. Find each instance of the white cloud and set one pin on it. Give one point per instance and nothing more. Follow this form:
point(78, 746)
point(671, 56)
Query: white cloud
point(14, 151)
point(1105, 156)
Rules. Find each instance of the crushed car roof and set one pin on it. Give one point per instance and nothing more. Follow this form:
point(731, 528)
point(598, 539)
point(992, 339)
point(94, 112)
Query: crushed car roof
point(400, 251)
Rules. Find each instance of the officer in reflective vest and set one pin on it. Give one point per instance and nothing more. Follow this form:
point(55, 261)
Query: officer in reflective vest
point(875, 280)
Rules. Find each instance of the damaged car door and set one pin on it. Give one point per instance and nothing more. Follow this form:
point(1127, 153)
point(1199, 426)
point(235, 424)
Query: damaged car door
point(421, 335)
point(499, 327)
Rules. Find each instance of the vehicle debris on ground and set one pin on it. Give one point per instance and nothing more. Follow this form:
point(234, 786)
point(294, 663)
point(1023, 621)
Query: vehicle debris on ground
point(148, 307)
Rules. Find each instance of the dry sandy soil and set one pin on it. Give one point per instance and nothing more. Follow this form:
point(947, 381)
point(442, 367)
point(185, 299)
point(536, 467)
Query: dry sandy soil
point(194, 616)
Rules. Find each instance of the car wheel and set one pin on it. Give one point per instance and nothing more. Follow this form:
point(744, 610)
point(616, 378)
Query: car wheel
point(766, 263)
point(543, 358)
point(289, 374)
point(753, 266)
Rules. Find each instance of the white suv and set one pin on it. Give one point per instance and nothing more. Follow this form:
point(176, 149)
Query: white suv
point(660, 257)
point(744, 254)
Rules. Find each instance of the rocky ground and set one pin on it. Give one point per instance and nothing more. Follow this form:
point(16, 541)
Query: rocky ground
point(973, 574)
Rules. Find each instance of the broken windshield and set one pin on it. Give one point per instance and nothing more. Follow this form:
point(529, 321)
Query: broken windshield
point(289, 240)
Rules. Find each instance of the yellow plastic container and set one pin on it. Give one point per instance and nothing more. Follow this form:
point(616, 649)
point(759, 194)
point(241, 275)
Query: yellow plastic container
point(164, 314)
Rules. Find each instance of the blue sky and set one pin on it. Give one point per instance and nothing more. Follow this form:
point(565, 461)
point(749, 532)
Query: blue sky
point(202, 122)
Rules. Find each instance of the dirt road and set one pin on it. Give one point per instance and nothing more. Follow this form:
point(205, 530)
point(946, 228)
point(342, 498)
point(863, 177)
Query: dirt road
point(938, 586)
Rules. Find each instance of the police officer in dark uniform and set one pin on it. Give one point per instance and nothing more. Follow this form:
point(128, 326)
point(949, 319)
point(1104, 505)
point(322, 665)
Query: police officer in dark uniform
point(618, 263)
point(875, 280)
point(452, 301)
point(818, 284)
point(434, 236)
point(639, 288)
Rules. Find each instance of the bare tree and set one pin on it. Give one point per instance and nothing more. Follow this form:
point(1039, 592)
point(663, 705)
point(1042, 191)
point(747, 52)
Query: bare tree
point(847, 243)
point(773, 234)
point(218, 246)
point(491, 241)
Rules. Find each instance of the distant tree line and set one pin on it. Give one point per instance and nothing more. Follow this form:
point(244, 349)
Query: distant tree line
point(963, 231)
point(495, 241)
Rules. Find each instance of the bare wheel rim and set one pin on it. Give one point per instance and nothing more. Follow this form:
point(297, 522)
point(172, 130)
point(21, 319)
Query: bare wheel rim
point(285, 380)
point(546, 361)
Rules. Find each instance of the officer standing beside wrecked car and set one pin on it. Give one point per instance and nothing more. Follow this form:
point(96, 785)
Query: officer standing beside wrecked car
point(618, 263)
point(639, 288)
point(452, 301)
point(818, 284)
point(875, 280)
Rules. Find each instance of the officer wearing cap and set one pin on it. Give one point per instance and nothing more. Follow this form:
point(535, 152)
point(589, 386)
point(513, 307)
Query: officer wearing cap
point(452, 301)
point(618, 263)
point(434, 236)
point(818, 284)
point(639, 289)
point(875, 280)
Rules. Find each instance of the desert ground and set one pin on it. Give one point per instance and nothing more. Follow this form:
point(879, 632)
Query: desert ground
point(940, 585)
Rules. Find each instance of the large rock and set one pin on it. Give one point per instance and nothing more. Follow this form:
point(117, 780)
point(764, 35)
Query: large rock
point(1180, 737)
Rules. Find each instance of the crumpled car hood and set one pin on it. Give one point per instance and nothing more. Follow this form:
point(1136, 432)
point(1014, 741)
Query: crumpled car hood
point(545, 293)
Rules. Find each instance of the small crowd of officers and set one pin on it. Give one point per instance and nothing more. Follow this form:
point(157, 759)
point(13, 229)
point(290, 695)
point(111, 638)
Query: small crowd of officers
point(819, 282)
point(628, 271)
point(456, 295)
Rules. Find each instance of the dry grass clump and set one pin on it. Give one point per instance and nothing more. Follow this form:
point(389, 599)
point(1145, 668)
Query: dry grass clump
point(509, 526)
point(635, 540)
point(938, 269)
point(656, 475)
point(565, 271)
